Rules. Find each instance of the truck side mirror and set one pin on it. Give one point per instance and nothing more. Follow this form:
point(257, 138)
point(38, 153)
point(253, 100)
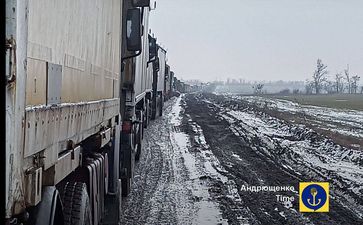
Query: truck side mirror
point(133, 30)
point(153, 48)
point(141, 3)
point(156, 64)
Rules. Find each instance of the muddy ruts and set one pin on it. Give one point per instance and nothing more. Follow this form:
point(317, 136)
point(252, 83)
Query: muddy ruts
point(254, 168)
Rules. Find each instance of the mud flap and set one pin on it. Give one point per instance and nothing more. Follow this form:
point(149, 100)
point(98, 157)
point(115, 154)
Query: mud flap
point(147, 114)
point(96, 186)
point(126, 186)
point(113, 207)
point(161, 105)
point(154, 106)
point(112, 162)
point(139, 136)
point(127, 163)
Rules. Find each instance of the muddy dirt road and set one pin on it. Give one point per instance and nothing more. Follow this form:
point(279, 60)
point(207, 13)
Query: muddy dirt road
point(202, 159)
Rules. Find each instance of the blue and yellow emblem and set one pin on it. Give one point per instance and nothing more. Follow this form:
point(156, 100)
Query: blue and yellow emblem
point(314, 197)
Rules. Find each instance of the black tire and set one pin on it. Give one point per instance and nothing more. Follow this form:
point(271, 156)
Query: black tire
point(149, 113)
point(139, 145)
point(161, 106)
point(146, 115)
point(76, 208)
point(126, 186)
point(142, 128)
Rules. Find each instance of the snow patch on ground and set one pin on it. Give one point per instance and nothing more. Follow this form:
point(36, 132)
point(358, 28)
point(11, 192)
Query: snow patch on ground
point(324, 155)
point(208, 212)
point(297, 147)
point(211, 163)
point(343, 121)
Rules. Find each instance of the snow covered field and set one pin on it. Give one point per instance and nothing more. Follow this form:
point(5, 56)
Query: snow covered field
point(346, 122)
point(197, 157)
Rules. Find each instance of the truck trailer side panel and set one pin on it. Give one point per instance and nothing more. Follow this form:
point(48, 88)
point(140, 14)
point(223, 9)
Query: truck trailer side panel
point(16, 32)
point(167, 83)
point(83, 36)
point(68, 91)
point(161, 73)
point(141, 75)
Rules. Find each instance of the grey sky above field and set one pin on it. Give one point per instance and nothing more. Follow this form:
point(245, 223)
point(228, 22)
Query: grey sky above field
point(259, 39)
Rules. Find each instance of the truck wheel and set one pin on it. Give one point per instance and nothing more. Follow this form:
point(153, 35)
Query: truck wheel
point(161, 106)
point(126, 186)
point(149, 115)
point(138, 152)
point(146, 115)
point(49, 211)
point(139, 145)
point(142, 128)
point(76, 208)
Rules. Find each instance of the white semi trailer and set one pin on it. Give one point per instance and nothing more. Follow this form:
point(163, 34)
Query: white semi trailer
point(135, 96)
point(159, 66)
point(168, 88)
point(77, 96)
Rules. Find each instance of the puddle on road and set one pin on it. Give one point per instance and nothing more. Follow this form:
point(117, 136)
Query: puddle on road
point(208, 211)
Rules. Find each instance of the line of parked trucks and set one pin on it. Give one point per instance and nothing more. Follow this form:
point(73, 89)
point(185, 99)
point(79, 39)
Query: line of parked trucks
point(84, 79)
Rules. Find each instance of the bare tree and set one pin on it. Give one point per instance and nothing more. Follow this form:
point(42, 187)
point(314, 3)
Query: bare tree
point(319, 76)
point(347, 77)
point(329, 87)
point(258, 88)
point(354, 86)
point(309, 87)
point(339, 83)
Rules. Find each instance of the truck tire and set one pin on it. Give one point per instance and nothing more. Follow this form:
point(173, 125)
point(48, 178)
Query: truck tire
point(147, 113)
point(138, 152)
point(49, 211)
point(76, 208)
point(126, 186)
point(142, 128)
point(139, 145)
point(161, 106)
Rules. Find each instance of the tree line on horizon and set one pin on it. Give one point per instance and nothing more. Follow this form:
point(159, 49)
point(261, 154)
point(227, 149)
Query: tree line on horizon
point(321, 83)
point(342, 82)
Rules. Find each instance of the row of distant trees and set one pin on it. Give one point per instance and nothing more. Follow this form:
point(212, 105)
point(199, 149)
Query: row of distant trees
point(343, 82)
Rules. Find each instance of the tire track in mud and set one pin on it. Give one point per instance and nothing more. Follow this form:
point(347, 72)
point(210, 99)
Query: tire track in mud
point(298, 148)
point(155, 191)
point(223, 190)
point(251, 167)
point(165, 190)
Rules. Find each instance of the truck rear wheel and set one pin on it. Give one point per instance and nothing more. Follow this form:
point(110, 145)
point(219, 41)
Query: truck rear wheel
point(138, 151)
point(161, 106)
point(49, 211)
point(76, 208)
point(147, 114)
point(139, 145)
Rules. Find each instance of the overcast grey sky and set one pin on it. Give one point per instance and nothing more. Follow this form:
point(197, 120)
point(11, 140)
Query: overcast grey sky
point(259, 39)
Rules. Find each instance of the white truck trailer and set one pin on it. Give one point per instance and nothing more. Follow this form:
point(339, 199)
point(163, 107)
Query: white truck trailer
point(135, 96)
point(75, 101)
point(159, 66)
point(169, 79)
point(167, 83)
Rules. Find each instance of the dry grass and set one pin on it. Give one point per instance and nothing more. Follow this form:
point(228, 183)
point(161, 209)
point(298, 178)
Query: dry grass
point(339, 101)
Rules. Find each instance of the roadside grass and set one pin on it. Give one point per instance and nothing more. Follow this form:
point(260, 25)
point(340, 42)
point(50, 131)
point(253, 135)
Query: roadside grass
point(339, 101)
